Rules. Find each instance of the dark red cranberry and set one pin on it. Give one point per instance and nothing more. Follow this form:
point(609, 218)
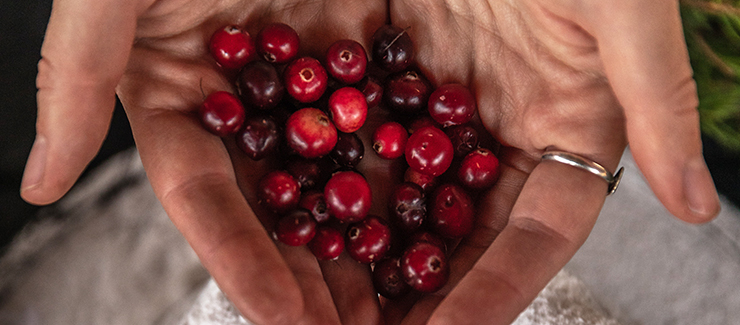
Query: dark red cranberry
point(420, 122)
point(222, 113)
point(259, 137)
point(429, 151)
point(452, 104)
point(451, 212)
point(232, 47)
point(327, 244)
point(348, 108)
point(346, 60)
point(305, 79)
point(392, 48)
point(279, 191)
point(464, 139)
point(424, 267)
point(278, 43)
point(310, 133)
point(388, 280)
point(315, 203)
point(389, 140)
point(407, 206)
point(259, 85)
point(368, 240)
point(479, 169)
point(372, 89)
point(310, 173)
point(407, 92)
point(427, 182)
point(427, 237)
point(348, 196)
point(348, 151)
point(296, 228)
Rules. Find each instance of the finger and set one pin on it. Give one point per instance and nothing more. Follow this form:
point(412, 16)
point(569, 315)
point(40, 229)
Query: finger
point(352, 290)
point(83, 57)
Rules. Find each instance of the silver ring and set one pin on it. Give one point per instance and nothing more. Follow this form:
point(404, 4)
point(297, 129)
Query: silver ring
point(587, 165)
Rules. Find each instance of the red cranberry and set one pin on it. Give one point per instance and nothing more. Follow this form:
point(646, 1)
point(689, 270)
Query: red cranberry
point(310, 133)
point(464, 139)
point(348, 151)
point(310, 173)
point(348, 108)
point(327, 244)
point(407, 92)
point(372, 89)
point(305, 79)
point(427, 182)
point(346, 60)
point(222, 113)
point(392, 48)
point(348, 196)
point(278, 43)
point(389, 140)
point(424, 267)
point(451, 212)
point(232, 47)
point(315, 203)
point(407, 206)
point(368, 240)
point(279, 191)
point(296, 228)
point(421, 122)
point(259, 137)
point(479, 169)
point(429, 151)
point(452, 104)
point(259, 85)
point(427, 237)
point(388, 280)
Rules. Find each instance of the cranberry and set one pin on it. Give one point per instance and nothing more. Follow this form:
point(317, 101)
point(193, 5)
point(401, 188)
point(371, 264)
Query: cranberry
point(305, 79)
point(451, 212)
point(348, 108)
point(259, 85)
point(315, 203)
point(407, 206)
point(259, 137)
point(464, 139)
point(346, 60)
point(427, 237)
point(348, 196)
point(479, 169)
point(232, 47)
point(327, 244)
point(278, 43)
point(368, 240)
point(420, 122)
point(392, 48)
point(310, 173)
point(372, 89)
point(389, 140)
point(310, 133)
point(407, 92)
point(279, 191)
point(424, 267)
point(388, 280)
point(221, 113)
point(452, 104)
point(429, 151)
point(348, 151)
point(427, 182)
point(296, 228)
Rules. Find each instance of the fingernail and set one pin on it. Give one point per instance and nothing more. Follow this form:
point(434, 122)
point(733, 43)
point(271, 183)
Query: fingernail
point(701, 195)
point(34, 173)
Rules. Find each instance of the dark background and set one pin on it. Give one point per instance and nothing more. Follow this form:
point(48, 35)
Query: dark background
point(21, 33)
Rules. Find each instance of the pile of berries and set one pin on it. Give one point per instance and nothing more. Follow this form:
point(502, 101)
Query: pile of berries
point(307, 111)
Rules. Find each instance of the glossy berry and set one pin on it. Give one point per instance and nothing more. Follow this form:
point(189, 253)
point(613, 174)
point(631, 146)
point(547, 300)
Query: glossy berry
point(346, 61)
point(424, 267)
point(259, 137)
point(348, 108)
point(348, 196)
point(315, 203)
point(279, 191)
point(296, 228)
point(427, 237)
point(421, 122)
point(479, 169)
point(222, 113)
point(388, 280)
point(451, 212)
point(392, 49)
point(310, 133)
point(310, 173)
point(305, 79)
point(232, 47)
point(452, 104)
point(259, 85)
point(407, 206)
point(464, 139)
point(372, 89)
point(327, 244)
point(389, 140)
point(277, 43)
point(368, 240)
point(348, 151)
point(407, 92)
point(429, 151)
point(427, 182)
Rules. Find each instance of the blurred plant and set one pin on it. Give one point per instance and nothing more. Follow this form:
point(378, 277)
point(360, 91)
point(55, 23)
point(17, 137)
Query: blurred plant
point(712, 30)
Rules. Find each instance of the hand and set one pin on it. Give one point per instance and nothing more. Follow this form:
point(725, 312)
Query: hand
point(153, 54)
point(582, 77)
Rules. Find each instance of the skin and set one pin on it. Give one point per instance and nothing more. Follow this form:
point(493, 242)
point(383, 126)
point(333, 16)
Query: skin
point(583, 77)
